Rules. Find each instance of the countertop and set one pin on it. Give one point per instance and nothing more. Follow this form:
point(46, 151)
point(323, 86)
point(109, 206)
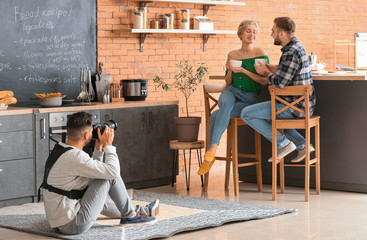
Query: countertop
point(351, 76)
point(92, 106)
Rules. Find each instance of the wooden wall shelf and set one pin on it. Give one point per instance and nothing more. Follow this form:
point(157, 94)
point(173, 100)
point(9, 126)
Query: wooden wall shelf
point(206, 34)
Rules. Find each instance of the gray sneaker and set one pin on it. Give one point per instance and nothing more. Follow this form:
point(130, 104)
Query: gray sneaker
point(302, 154)
point(281, 153)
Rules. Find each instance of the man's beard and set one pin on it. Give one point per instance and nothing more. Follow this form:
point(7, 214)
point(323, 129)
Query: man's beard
point(277, 42)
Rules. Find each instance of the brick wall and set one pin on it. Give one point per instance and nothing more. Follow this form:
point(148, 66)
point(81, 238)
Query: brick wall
point(319, 23)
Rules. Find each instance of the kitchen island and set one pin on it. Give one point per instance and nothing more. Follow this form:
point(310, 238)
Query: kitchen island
point(342, 105)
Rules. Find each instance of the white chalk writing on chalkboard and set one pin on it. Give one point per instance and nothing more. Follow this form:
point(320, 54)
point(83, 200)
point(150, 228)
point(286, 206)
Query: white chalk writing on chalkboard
point(46, 43)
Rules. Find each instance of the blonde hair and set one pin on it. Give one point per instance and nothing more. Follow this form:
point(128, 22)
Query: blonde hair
point(244, 25)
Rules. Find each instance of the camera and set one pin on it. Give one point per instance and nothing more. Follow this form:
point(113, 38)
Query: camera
point(111, 124)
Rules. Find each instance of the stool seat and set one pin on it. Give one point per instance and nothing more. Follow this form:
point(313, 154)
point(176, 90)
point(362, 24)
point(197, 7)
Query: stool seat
point(175, 145)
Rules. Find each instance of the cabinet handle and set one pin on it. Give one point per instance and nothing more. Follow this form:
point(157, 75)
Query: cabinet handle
point(43, 128)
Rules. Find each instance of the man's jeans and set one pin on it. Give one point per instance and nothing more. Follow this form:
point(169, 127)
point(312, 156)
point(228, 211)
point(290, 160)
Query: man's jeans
point(231, 102)
point(94, 202)
point(258, 116)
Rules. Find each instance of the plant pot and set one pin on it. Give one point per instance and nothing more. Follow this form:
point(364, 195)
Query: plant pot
point(187, 128)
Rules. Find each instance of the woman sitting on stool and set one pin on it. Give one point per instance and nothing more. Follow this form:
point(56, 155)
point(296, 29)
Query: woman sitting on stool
point(242, 88)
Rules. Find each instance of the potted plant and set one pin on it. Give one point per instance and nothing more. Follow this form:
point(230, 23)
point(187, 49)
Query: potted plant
point(186, 80)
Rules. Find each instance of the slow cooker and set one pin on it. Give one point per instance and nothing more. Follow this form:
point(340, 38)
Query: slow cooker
point(134, 89)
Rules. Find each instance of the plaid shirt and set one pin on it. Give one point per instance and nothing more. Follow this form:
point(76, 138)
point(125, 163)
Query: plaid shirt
point(293, 70)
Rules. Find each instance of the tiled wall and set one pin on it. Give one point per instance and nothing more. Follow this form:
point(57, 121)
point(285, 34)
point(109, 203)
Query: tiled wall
point(319, 23)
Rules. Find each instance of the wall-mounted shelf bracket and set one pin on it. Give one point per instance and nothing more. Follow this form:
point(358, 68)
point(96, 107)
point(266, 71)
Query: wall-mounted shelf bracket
point(206, 9)
point(144, 4)
point(143, 36)
point(205, 40)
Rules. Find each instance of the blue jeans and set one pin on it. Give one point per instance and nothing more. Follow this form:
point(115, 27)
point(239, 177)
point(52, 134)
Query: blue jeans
point(258, 116)
point(231, 102)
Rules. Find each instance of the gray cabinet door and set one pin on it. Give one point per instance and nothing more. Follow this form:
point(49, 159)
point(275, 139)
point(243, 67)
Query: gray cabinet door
point(41, 136)
point(16, 178)
point(16, 123)
point(160, 131)
point(16, 145)
point(131, 144)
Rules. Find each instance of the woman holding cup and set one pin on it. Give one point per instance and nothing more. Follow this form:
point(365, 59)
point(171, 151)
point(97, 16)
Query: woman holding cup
point(242, 90)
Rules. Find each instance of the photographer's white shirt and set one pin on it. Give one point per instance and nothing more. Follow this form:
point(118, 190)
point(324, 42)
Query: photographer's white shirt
point(73, 170)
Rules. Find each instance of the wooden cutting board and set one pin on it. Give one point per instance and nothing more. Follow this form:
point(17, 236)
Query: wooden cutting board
point(103, 80)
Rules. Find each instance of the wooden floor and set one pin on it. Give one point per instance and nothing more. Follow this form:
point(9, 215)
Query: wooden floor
point(331, 215)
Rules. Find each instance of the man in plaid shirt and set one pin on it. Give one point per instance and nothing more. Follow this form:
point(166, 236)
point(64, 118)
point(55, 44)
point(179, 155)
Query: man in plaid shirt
point(293, 69)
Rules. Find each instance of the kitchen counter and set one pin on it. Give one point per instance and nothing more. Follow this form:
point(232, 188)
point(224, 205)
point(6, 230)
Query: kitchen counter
point(16, 111)
point(348, 76)
point(92, 106)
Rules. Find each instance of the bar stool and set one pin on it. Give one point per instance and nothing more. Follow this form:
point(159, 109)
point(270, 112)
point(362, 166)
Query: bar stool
point(232, 154)
point(175, 145)
point(303, 93)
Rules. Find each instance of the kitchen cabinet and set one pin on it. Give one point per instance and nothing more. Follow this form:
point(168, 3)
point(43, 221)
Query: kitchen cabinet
point(16, 158)
point(206, 34)
point(142, 142)
point(42, 145)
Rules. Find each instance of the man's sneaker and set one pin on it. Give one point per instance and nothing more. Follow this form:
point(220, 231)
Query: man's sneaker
point(138, 219)
point(281, 153)
point(153, 208)
point(302, 154)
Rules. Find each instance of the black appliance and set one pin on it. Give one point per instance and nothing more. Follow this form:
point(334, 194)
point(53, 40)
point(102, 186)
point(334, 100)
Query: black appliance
point(134, 89)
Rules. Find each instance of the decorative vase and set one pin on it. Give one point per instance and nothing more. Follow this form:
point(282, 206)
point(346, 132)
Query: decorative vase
point(187, 128)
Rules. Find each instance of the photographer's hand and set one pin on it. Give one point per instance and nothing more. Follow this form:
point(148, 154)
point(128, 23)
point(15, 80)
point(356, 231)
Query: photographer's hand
point(98, 145)
point(107, 137)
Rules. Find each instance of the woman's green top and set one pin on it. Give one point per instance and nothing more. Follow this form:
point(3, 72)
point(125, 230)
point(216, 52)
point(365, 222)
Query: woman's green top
point(244, 82)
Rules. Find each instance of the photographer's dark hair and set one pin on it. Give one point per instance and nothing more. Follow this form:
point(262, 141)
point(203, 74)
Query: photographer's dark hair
point(77, 123)
point(286, 24)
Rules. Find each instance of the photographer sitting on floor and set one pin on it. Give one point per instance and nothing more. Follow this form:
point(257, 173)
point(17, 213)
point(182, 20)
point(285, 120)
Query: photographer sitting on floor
point(76, 186)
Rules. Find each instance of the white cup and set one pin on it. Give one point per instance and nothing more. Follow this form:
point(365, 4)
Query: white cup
point(320, 66)
point(263, 61)
point(235, 63)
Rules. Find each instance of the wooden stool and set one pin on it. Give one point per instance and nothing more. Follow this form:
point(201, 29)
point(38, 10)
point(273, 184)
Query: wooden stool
point(175, 145)
point(301, 92)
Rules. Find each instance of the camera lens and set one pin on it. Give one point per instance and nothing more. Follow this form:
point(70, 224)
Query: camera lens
point(111, 124)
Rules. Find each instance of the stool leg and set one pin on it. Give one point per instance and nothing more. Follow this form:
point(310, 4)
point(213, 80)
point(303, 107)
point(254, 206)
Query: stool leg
point(307, 165)
point(281, 171)
point(174, 168)
point(228, 155)
point(198, 155)
point(188, 186)
point(317, 156)
point(258, 159)
point(274, 164)
point(185, 168)
point(235, 160)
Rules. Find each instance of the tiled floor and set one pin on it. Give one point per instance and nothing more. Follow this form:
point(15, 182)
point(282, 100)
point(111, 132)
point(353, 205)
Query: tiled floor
point(331, 215)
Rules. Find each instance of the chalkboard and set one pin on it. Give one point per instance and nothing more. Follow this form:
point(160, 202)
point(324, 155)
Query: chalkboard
point(44, 44)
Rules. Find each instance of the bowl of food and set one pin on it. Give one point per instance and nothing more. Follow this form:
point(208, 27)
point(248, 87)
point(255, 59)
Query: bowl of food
point(50, 99)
